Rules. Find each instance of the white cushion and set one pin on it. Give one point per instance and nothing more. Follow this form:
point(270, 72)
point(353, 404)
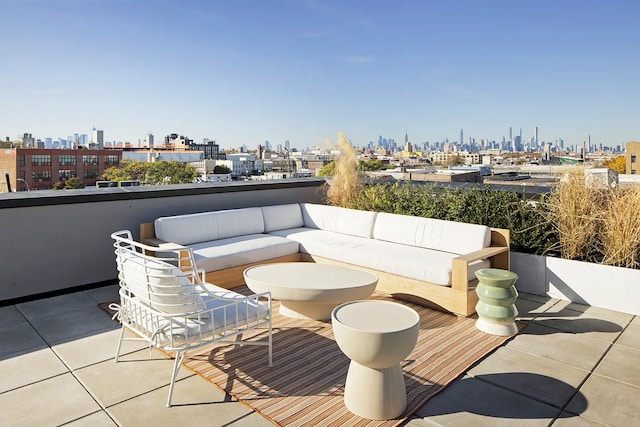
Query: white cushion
point(234, 251)
point(449, 236)
point(340, 220)
point(280, 217)
point(159, 284)
point(203, 227)
point(409, 261)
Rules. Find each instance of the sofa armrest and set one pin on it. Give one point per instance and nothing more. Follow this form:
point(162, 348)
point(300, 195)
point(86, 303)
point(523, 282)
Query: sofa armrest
point(159, 243)
point(498, 256)
point(483, 253)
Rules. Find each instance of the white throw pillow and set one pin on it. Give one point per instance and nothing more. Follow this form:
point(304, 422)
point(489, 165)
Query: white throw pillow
point(161, 285)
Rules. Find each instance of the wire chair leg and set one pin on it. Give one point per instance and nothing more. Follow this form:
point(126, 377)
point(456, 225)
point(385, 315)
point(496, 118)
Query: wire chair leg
point(176, 368)
point(119, 344)
point(270, 344)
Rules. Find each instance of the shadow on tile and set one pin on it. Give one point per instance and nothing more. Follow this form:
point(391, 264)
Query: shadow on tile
point(586, 325)
point(479, 396)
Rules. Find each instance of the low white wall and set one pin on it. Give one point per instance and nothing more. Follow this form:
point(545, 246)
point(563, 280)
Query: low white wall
point(613, 288)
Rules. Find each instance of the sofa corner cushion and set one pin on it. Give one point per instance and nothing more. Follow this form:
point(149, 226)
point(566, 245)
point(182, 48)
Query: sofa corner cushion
point(339, 220)
point(207, 226)
point(449, 236)
point(282, 217)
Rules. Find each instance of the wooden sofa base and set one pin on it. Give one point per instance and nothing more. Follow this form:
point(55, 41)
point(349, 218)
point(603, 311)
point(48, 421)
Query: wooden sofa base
point(233, 277)
point(427, 294)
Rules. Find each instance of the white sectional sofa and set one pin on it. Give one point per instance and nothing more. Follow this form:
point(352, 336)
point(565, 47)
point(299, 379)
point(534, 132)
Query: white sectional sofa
point(421, 259)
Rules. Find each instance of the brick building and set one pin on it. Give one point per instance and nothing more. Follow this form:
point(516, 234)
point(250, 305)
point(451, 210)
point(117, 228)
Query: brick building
point(40, 168)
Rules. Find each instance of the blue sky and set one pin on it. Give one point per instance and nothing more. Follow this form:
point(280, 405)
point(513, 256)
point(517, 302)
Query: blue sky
point(242, 72)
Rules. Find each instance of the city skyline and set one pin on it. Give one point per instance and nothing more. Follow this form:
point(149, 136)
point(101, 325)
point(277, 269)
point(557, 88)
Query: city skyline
point(246, 72)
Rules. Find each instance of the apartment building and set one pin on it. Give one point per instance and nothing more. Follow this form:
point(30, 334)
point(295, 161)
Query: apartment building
point(40, 169)
point(632, 154)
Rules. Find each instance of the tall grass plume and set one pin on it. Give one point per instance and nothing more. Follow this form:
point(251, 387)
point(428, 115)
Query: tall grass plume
point(620, 231)
point(346, 179)
point(575, 209)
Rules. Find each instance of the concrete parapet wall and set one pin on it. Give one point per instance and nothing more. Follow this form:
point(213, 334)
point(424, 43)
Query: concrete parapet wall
point(55, 240)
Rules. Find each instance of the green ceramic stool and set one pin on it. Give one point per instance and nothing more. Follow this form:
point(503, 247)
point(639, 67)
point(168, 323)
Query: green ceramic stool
point(496, 306)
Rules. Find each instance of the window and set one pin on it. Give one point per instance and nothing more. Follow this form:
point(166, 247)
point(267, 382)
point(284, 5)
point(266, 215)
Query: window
point(41, 160)
point(66, 174)
point(111, 160)
point(90, 174)
point(67, 160)
point(41, 176)
point(90, 159)
point(21, 156)
point(633, 158)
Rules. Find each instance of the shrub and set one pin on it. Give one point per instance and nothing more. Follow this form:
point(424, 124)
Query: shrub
point(575, 221)
point(531, 232)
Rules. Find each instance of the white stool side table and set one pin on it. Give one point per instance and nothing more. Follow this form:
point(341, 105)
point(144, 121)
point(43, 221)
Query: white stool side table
point(376, 336)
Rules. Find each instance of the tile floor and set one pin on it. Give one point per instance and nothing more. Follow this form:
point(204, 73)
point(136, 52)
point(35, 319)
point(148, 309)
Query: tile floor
point(572, 365)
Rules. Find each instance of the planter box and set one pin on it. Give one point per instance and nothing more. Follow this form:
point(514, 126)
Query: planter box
point(613, 288)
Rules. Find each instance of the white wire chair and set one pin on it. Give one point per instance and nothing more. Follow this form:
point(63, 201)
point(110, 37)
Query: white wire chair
point(165, 301)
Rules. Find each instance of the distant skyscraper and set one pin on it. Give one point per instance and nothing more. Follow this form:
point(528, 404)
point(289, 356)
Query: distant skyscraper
point(406, 137)
point(408, 147)
point(150, 141)
point(537, 136)
point(98, 138)
point(461, 137)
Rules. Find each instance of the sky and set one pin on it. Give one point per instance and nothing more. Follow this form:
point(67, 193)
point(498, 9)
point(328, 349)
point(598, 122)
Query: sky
point(242, 72)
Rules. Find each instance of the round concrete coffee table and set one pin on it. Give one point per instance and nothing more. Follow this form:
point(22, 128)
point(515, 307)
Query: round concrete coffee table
point(376, 336)
point(307, 290)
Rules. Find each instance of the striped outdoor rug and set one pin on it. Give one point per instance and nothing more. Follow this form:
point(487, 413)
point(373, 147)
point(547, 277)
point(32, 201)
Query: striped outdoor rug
point(305, 385)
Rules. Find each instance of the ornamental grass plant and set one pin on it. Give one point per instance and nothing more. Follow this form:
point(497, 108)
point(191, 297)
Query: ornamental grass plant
point(575, 210)
point(620, 230)
point(346, 179)
point(595, 224)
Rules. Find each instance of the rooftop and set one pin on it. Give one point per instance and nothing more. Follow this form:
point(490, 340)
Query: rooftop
point(573, 365)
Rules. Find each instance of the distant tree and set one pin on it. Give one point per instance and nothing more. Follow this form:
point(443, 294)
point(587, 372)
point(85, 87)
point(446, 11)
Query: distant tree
point(328, 170)
point(73, 184)
point(70, 184)
point(221, 169)
point(372, 165)
point(454, 160)
point(618, 164)
point(152, 173)
point(10, 144)
point(120, 172)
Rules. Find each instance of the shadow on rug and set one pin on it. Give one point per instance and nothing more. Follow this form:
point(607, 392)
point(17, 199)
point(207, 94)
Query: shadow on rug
point(305, 385)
